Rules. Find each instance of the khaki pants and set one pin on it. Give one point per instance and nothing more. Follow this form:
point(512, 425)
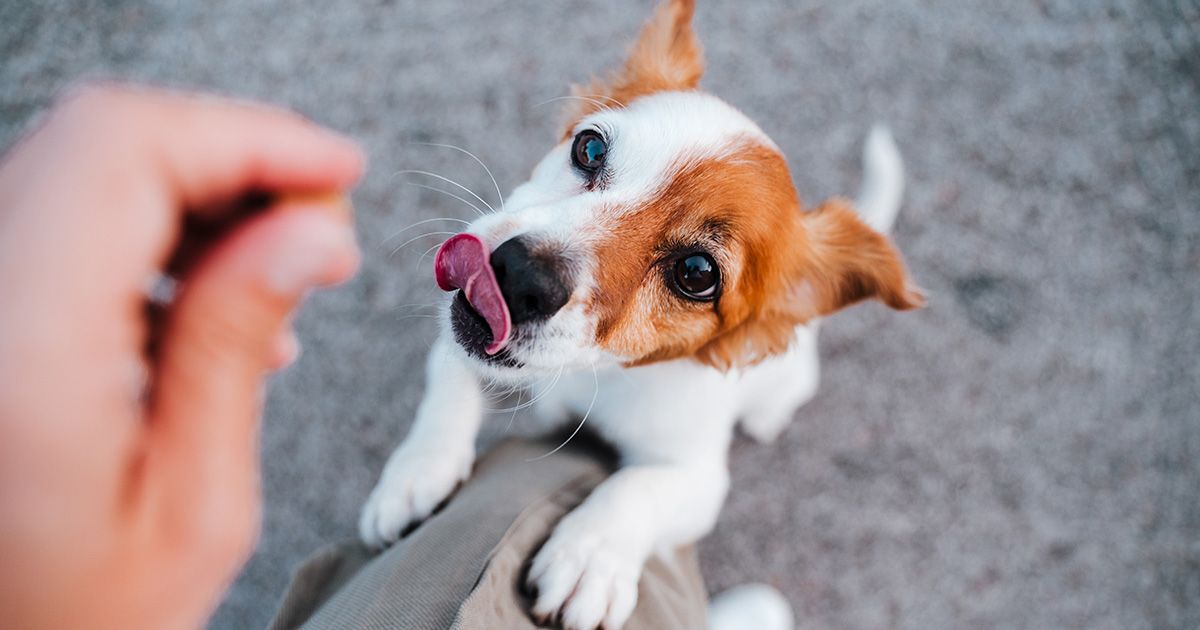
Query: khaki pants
point(463, 568)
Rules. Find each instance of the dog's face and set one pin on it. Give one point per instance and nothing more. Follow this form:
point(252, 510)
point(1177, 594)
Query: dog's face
point(663, 225)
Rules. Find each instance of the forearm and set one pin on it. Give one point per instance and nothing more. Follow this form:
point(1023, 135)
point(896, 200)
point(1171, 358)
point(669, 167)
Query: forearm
point(436, 455)
point(660, 506)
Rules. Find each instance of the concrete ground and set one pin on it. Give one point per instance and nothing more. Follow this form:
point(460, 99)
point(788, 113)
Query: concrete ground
point(1024, 453)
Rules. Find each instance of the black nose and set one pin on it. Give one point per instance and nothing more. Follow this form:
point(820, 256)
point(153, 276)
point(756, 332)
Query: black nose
point(533, 285)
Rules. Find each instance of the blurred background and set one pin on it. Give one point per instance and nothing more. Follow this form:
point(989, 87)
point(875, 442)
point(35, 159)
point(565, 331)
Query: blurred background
point(1023, 453)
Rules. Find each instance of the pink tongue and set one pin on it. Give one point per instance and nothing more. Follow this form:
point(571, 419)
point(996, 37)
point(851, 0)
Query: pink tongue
point(462, 263)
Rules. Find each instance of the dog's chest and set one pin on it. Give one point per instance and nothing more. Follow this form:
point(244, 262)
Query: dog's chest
point(648, 412)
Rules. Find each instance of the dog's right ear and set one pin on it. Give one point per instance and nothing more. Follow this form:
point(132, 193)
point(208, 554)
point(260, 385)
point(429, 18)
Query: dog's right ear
point(665, 57)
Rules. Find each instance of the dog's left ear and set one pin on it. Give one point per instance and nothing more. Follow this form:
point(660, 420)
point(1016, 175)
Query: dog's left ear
point(666, 56)
point(850, 262)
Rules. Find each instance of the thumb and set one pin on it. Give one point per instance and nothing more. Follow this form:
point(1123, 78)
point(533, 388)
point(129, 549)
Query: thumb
point(220, 340)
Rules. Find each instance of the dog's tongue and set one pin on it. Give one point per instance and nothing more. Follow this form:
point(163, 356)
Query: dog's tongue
point(462, 263)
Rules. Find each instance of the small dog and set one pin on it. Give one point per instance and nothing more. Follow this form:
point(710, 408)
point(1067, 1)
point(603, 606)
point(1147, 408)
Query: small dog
point(659, 266)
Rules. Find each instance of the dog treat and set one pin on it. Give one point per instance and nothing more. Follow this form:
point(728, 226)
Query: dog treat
point(201, 230)
point(338, 200)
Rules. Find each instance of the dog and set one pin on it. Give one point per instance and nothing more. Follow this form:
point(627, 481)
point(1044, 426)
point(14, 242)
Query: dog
point(658, 265)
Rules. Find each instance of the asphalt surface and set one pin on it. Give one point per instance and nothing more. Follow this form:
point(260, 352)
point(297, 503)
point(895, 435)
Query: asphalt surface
point(1023, 453)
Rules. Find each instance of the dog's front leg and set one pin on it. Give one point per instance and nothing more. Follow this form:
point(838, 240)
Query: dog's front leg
point(436, 455)
point(588, 571)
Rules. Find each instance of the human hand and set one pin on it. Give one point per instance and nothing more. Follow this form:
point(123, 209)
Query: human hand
point(129, 491)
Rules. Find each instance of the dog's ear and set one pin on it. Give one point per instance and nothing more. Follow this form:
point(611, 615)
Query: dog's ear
point(850, 262)
point(666, 56)
point(837, 262)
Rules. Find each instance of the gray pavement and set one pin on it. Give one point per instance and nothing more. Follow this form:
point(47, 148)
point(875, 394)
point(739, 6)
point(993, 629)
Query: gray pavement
point(1024, 453)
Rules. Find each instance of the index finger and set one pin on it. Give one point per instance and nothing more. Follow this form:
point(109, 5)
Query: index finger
point(206, 149)
point(109, 176)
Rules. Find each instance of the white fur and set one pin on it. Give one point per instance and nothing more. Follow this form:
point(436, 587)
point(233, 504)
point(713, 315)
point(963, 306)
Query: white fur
point(671, 422)
point(750, 607)
point(436, 455)
point(883, 180)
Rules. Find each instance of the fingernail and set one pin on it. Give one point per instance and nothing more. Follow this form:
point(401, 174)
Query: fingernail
point(286, 349)
point(338, 137)
point(318, 250)
point(351, 147)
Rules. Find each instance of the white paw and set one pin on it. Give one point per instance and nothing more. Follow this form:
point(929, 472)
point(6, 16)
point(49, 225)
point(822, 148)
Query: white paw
point(413, 484)
point(757, 606)
point(585, 579)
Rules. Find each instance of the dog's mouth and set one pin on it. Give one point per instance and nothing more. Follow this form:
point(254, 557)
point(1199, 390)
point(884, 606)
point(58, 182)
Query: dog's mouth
point(479, 315)
point(463, 262)
point(474, 334)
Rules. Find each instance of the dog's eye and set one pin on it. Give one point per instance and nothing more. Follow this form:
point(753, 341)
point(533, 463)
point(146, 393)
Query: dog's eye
point(696, 276)
point(588, 151)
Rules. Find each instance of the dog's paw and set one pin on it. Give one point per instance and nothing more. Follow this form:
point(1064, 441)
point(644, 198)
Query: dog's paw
point(585, 579)
point(413, 484)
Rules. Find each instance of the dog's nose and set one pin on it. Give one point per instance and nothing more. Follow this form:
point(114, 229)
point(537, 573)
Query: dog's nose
point(533, 285)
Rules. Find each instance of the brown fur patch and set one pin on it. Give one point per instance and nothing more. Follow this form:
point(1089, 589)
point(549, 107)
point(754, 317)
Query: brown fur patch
point(854, 262)
point(730, 207)
point(665, 57)
point(779, 267)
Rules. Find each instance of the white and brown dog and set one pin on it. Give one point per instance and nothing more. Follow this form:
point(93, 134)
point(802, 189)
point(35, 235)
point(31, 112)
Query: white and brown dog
point(658, 261)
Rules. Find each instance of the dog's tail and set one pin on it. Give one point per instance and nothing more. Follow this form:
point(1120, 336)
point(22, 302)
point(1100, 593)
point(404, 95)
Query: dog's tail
point(883, 180)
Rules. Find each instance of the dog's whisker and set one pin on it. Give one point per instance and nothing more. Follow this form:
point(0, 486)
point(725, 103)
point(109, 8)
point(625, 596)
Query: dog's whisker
point(539, 396)
point(419, 237)
point(497, 390)
point(495, 386)
point(530, 402)
point(427, 252)
point(418, 306)
point(513, 417)
point(384, 241)
point(625, 374)
point(411, 171)
point(449, 194)
point(473, 157)
point(508, 391)
point(595, 393)
point(603, 96)
point(488, 386)
point(593, 101)
point(545, 392)
point(587, 99)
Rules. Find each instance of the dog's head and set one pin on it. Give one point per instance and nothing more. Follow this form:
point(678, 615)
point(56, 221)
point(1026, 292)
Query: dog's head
point(663, 225)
